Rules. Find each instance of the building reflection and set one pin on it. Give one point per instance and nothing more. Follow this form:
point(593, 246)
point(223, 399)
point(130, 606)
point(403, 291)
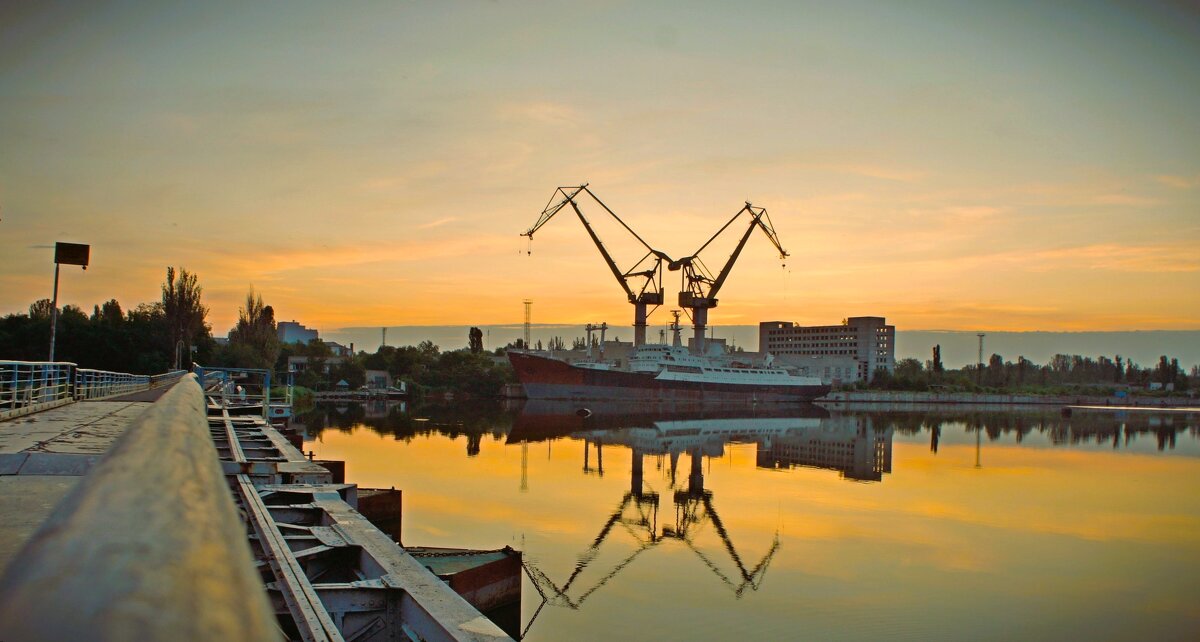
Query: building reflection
point(680, 440)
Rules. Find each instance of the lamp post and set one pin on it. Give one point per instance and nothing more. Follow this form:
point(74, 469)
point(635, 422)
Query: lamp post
point(69, 254)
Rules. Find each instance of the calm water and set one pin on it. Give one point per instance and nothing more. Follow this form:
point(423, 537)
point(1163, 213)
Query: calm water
point(639, 523)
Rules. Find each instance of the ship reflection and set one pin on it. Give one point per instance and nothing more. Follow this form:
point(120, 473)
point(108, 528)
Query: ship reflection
point(797, 436)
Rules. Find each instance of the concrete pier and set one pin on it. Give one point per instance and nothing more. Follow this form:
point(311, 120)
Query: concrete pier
point(197, 527)
point(44, 455)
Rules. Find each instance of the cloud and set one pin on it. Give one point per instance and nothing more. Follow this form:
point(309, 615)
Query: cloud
point(1162, 257)
point(540, 111)
point(1180, 182)
point(437, 223)
point(1131, 200)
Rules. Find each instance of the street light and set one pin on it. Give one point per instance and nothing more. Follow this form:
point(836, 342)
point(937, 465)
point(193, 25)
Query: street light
point(64, 254)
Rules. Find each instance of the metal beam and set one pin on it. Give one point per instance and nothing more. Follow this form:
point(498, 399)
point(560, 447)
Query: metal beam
point(148, 547)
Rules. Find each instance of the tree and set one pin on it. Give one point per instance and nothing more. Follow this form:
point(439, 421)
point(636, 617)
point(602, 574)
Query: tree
point(475, 340)
point(909, 370)
point(41, 309)
point(182, 308)
point(937, 368)
point(254, 342)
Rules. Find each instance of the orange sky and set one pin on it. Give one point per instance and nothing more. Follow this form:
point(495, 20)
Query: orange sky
point(946, 167)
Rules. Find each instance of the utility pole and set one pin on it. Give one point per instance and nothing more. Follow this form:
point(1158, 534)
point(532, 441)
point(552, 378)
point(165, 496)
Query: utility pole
point(979, 366)
point(69, 254)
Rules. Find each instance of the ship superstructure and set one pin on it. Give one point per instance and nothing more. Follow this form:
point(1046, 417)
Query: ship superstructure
point(662, 372)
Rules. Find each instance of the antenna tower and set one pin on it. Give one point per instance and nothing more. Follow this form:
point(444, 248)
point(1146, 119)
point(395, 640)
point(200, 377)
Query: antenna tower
point(528, 319)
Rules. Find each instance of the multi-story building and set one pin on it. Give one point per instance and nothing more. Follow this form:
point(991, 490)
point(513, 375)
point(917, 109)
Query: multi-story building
point(293, 332)
point(868, 342)
point(851, 444)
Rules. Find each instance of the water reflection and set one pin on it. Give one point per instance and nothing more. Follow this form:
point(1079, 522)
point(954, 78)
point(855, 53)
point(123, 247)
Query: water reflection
point(538, 421)
point(806, 435)
point(805, 494)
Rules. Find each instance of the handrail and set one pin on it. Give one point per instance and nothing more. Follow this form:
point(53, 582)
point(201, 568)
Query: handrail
point(149, 547)
point(97, 384)
point(30, 386)
point(241, 386)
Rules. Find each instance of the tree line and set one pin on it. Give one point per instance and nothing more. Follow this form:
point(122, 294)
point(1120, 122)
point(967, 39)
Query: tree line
point(1062, 373)
point(150, 338)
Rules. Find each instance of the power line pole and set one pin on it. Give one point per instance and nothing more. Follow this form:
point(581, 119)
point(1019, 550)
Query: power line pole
point(979, 366)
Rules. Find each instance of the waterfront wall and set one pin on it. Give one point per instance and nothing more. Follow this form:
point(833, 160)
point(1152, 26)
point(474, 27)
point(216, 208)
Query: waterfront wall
point(906, 397)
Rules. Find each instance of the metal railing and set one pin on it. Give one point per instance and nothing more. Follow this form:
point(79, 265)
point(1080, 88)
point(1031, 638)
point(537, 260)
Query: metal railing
point(246, 390)
point(95, 384)
point(30, 386)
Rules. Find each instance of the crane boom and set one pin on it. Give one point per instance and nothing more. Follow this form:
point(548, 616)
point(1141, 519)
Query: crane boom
point(612, 265)
point(648, 268)
point(758, 215)
point(693, 294)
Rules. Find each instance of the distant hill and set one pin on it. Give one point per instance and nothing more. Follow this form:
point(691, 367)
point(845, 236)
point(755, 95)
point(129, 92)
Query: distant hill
point(958, 347)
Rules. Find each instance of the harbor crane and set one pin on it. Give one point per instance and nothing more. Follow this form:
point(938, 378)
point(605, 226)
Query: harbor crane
point(642, 283)
point(699, 288)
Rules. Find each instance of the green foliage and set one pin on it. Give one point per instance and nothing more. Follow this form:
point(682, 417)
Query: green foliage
point(182, 310)
point(254, 342)
point(1063, 375)
point(140, 341)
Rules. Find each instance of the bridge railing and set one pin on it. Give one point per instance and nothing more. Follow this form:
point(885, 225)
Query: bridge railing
point(246, 388)
point(29, 386)
point(166, 377)
point(97, 384)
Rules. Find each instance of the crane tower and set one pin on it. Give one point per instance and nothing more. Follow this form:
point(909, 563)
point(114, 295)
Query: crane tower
point(698, 291)
point(642, 283)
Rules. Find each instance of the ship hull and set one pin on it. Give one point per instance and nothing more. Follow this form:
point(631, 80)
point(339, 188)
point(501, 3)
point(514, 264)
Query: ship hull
point(544, 378)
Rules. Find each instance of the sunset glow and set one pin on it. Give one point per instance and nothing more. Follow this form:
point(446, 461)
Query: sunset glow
point(977, 166)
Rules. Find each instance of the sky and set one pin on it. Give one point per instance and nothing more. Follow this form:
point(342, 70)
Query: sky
point(958, 166)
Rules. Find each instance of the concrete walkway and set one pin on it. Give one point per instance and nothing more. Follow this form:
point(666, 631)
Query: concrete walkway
point(44, 455)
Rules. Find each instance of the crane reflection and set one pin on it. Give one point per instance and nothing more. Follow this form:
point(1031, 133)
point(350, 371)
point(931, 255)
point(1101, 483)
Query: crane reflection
point(796, 436)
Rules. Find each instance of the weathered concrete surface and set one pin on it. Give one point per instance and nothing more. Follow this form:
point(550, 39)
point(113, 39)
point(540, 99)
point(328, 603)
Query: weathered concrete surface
point(25, 502)
point(149, 547)
point(84, 428)
point(43, 456)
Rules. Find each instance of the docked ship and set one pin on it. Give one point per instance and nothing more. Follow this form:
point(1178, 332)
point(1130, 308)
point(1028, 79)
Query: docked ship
point(659, 372)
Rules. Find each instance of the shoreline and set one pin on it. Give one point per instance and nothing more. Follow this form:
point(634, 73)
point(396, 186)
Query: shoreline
point(971, 398)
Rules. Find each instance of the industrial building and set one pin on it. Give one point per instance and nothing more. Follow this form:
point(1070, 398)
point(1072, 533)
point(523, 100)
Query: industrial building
point(851, 444)
point(855, 349)
point(293, 332)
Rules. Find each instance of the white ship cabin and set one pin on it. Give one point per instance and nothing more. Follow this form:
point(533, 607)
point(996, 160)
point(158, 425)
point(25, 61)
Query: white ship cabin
point(653, 358)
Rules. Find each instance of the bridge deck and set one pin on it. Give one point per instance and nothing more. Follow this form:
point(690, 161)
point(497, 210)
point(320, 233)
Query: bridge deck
point(44, 455)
